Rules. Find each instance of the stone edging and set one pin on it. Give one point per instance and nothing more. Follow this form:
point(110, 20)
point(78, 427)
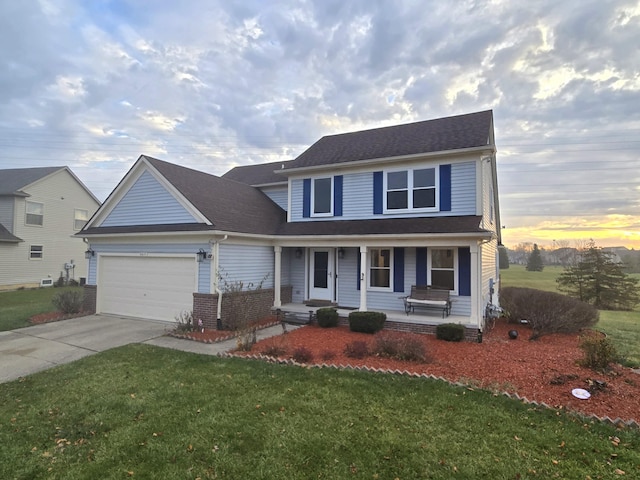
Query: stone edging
point(617, 422)
point(232, 334)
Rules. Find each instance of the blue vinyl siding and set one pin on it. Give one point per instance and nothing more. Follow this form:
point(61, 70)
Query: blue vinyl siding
point(249, 264)
point(359, 200)
point(147, 203)
point(278, 195)
point(297, 279)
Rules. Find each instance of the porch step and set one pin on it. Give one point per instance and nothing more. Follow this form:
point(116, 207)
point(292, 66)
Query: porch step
point(320, 303)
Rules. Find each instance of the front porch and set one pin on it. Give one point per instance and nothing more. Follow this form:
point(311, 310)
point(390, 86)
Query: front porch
point(419, 322)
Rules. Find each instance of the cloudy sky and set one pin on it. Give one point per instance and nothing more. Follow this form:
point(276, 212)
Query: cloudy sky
point(214, 84)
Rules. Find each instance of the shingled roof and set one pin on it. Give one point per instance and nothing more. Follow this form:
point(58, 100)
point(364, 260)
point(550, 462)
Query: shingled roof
point(12, 180)
point(7, 237)
point(257, 175)
point(231, 206)
point(450, 133)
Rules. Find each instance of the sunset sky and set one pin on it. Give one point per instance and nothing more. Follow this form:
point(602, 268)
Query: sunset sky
point(215, 84)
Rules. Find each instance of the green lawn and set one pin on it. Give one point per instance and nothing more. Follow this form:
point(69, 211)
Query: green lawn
point(16, 307)
point(145, 412)
point(622, 327)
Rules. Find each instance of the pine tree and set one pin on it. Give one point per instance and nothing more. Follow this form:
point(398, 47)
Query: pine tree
point(595, 278)
point(534, 263)
point(503, 258)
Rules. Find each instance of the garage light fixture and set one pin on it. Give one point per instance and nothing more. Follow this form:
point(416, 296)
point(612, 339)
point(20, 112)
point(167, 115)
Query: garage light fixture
point(202, 255)
point(89, 253)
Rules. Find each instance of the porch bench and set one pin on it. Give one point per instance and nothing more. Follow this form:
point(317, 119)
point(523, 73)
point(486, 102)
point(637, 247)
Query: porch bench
point(425, 296)
point(294, 318)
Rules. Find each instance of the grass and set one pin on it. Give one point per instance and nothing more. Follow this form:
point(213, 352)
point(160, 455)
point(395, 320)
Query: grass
point(18, 306)
point(623, 328)
point(145, 412)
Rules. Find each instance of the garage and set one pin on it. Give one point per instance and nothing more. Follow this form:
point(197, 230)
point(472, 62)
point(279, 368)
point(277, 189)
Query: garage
point(154, 287)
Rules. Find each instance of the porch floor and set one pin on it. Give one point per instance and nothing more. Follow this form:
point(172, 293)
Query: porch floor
point(421, 317)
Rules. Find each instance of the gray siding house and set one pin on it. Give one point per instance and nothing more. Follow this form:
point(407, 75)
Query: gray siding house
point(40, 210)
point(354, 221)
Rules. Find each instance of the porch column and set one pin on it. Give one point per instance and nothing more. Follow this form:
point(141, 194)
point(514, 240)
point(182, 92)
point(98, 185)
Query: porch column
point(277, 250)
point(475, 290)
point(363, 278)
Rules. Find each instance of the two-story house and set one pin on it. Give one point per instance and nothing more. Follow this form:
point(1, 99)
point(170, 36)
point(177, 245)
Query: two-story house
point(40, 211)
point(354, 221)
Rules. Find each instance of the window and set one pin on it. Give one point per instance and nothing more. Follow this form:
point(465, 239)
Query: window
point(35, 213)
point(80, 218)
point(322, 195)
point(380, 268)
point(413, 189)
point(35, 253)
point(442, 268)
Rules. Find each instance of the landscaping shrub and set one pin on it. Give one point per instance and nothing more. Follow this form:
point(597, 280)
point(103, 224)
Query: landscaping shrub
point(366, 322)
point(547, 312)
point(356, 349)
point(328, 355)
point(68, 302)
point(302, 355)
point(274, 350)
point(599, 352)
point(327, 317)
point(184, 322)
point(451, 332)
point(399, 346)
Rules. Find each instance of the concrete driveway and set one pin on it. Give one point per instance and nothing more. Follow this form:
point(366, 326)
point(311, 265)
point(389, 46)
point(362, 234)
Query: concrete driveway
point(31, 349)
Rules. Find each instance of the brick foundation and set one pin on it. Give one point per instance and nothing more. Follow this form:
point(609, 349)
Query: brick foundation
point(89, 298)
point(237, 307)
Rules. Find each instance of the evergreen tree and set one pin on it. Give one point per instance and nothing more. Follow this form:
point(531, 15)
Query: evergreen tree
point(534, 263)
point(596, 279)
point(503, 258)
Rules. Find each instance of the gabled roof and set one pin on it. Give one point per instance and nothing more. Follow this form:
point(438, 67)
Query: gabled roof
point(257, 175)
point(472, 130)
point(7, 237)
point(230, 206)
point(13, 180)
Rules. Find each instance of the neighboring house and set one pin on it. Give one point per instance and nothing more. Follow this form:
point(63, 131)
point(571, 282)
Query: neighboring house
point(40, 211)
point(354, 221)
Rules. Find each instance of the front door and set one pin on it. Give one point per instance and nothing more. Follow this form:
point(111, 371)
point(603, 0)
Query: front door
point(321, 274)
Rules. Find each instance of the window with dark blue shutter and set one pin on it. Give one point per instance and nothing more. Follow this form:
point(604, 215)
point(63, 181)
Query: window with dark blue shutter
point(377, 192)
point(445, 188)
point(464, 270)
point(421, 266)
point(359, 270)
point(398, 269)
point(306, 198)
point(337, 195)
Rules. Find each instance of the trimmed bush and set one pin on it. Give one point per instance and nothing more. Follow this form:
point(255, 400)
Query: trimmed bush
point(356, 349)
point(327, 317)
point(547, 312)
point(69, 301)
point(366, 322)
point(599, 352)
point(451, 332)
point(274, 350)
point(399, 346)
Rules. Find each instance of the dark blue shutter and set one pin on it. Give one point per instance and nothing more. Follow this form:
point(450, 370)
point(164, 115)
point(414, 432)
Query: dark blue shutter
point(421, 266)
point(464, 271)
point(337, 196)
point(377, 193)
point(445, 188)
point(306, 197)
point(359, 268)
point(398, 269)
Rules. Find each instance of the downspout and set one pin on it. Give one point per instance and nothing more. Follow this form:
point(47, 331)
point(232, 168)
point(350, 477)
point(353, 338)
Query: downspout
point(215, 247)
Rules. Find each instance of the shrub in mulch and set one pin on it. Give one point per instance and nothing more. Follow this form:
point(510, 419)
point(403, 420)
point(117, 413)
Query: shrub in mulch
point(327, 317)
point(599, 352)
point(547, 312)
point(302, 355)
point(356, 349)
point(68, 302)
point(451, 332)
point(367, 322)
point(400, 347)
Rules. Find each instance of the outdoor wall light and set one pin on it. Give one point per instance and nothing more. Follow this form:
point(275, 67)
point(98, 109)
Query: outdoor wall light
point(298, 252)
point(202, 255)
point(89, 253)
point(341, 253)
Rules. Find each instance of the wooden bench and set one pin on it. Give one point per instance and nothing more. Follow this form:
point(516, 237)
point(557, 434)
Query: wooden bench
point(427, 297)
point(294, 318)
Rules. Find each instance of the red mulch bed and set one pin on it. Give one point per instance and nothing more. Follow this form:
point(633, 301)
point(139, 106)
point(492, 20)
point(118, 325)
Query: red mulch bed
point(54, 317)
point(520, 366)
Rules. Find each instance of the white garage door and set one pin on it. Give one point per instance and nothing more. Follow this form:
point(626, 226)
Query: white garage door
point(158, 288)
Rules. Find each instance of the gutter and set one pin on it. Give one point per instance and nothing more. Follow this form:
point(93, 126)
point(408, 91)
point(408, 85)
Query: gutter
point(215, 247)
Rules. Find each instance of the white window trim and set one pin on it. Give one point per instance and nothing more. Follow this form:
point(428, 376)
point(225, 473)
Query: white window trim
point(410, 189)
point(455, 267)
point(26, 213)
point(370, 267)
point(313, 197)
point(75, 210)
point(37, 259)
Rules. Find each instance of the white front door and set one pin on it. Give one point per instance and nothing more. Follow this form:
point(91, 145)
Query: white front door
point(321, 274)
